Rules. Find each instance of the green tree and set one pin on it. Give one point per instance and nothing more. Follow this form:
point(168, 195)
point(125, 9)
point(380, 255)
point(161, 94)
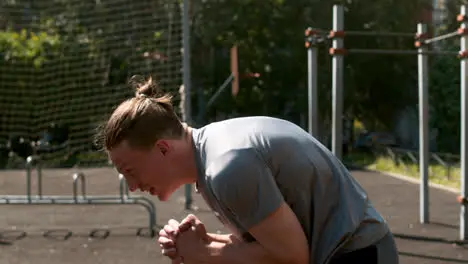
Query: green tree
point(444, 93)
point(74, 58)
point(269, 35)
point(444, 85)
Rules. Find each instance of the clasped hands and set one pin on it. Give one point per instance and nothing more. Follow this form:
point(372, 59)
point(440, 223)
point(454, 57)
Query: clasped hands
point(185, 242)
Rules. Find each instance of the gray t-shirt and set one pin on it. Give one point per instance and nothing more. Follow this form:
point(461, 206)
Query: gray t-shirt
point(249, 166)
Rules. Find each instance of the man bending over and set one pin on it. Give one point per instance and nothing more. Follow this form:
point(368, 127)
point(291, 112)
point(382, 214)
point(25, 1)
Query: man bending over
point(284, 197)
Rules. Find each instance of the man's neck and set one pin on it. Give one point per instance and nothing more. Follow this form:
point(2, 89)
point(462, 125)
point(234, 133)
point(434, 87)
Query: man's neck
point(188, 156)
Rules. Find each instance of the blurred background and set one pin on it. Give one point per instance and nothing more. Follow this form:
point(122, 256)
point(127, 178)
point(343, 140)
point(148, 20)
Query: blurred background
point(66, 63)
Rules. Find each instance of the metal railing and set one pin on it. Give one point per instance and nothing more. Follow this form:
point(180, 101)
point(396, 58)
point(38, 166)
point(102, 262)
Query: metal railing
point(407, 157)
point(78, 198)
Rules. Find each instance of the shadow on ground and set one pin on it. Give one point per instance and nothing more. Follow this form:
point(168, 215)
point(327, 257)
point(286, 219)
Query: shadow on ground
point(10, 237)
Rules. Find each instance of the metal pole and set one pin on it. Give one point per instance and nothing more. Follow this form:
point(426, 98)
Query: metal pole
point(464, 131)
point(441, 37)
point(79, 178)
point(378, 34)
point(28, 181)
point(366, 33)
point(337, 84)
point(219, 91)
point(39, 179)
point(187, 74)
point(187, 82)
point(312, 90)
point(423, 130)
point(399, 52)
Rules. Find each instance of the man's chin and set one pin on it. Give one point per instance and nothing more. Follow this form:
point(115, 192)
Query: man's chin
point(163, 197)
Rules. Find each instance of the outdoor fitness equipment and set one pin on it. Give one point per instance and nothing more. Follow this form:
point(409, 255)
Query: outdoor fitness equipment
point(79, 196)
point(316, 37)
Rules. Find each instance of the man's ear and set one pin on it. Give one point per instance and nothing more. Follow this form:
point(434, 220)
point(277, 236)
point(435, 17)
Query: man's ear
point(163, 146)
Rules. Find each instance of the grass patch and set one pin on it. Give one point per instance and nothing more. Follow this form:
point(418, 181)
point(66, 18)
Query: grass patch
point(449, 177)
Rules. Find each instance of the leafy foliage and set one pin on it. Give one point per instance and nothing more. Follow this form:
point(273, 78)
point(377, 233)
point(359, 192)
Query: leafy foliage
point(270, 41)
point(444, 93)
point(269, 36)
point(444, 86)
point(28, 46)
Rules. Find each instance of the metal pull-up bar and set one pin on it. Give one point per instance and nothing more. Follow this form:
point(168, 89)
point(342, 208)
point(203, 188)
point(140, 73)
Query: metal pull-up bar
point(314, 37)
point(378, 34)
point(442, 37)
point(399, 52)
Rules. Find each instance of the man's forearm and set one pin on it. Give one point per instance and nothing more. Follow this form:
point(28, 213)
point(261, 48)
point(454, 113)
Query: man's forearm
point(238, 253)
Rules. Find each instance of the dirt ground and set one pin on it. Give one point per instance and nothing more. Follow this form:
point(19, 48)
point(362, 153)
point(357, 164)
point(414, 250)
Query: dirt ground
point(56, 234)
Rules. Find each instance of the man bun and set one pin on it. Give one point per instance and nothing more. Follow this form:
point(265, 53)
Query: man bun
point(144, 87)
point(147, 88)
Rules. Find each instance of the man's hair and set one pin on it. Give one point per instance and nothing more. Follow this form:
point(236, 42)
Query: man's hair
point(141, 120)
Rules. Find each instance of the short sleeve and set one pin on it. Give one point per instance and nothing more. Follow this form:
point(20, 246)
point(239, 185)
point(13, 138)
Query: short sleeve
point(243, 184)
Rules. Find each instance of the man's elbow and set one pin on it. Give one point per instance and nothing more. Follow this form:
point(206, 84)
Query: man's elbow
point(295, 258)
point(300, 259)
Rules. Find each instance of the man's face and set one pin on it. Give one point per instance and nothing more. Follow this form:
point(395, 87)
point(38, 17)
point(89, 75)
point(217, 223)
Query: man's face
point(147, 170)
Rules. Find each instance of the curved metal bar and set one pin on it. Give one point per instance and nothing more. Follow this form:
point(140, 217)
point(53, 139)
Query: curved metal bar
point(124, 198)
point(123, 186)
point(79, 177)
point(151, 209)
point(151, 215)
point(33, 162)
